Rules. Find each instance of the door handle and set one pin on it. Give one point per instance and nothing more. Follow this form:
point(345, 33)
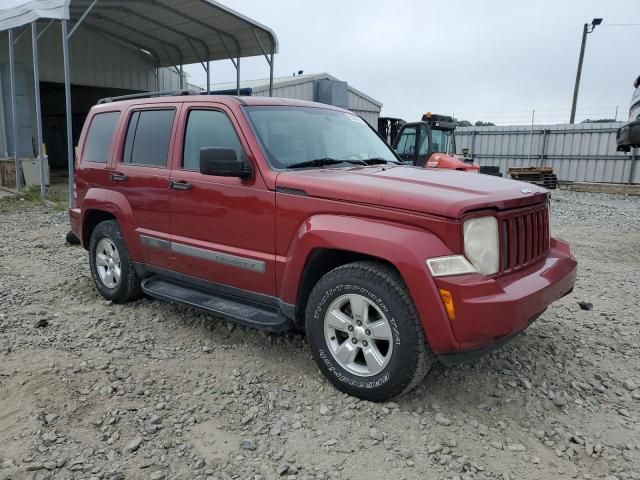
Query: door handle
point(118, 177)
point(181, 185)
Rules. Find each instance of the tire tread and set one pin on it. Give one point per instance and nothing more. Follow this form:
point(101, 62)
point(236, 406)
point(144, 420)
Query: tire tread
point(388, 278)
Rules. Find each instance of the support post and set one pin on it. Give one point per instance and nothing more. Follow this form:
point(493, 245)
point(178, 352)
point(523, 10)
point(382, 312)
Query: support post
point(473, 144)
point(14, 120)
point(36, 94)
point(68, 111)
point(543, 153)
point(238, 73)
point(578, 74)
point(208, 77)
point(181, 76)
point(533, 115)
point(635, 159)
point(271, 74)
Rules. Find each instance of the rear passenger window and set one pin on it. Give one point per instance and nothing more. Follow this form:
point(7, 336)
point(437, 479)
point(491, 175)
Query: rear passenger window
point(148, 137)
point(207, 128)
point(99, 137)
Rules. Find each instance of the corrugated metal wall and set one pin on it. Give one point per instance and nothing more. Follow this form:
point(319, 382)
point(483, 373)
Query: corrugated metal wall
point(584, 152)
point(304, 91)
point(94, 61)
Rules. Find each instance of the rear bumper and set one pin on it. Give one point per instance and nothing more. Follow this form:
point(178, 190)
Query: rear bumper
point(628, 136)
point(75, 219)
point(489, 310)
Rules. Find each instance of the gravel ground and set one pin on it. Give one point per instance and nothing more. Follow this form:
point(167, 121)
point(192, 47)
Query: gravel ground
point(93, 390)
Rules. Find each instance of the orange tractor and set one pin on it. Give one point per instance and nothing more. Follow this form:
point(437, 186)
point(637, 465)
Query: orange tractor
point(429, 143)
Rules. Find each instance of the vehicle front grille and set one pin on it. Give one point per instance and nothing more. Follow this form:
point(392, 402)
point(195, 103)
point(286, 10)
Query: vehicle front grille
point(524, 237)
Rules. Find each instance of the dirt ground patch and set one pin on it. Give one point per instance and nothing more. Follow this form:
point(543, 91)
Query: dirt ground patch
point(153, 390)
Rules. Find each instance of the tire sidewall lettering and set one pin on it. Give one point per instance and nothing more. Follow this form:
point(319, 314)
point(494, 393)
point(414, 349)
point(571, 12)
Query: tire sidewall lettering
point(327, 358)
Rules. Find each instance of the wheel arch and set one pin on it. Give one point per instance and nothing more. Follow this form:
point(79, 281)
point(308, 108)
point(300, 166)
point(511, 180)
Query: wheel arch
point(100, 205)
point(325, 242)
point(91, 219)
point(321, 261)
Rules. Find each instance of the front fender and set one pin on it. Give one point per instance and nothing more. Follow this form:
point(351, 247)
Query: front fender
point(403, 246)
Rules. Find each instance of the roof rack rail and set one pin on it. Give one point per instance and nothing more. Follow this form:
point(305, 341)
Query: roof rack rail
point(161, 93)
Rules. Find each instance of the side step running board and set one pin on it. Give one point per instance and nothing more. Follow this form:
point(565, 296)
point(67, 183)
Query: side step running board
point(233, 308)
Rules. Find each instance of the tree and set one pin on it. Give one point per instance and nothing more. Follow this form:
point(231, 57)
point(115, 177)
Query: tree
point(484, 124)
point(463, 123)
point(599, 120)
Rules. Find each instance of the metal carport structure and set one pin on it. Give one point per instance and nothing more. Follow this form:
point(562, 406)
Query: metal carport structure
point(169, 33)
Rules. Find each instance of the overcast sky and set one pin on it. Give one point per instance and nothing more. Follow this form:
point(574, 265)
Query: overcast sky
point(482, 60)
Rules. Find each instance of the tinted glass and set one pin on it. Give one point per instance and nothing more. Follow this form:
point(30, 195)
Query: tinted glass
point(424, 140)
point(103, 126)
point(296, 134)
point(207, 128)
point(148, 136)
point(406, 146)
point(440, 140)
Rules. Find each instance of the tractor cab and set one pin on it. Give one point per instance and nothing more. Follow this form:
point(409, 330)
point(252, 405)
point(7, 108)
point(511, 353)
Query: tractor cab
point(430, 143)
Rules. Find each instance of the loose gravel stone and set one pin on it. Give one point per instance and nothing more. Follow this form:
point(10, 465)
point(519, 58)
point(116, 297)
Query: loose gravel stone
point(202, 398)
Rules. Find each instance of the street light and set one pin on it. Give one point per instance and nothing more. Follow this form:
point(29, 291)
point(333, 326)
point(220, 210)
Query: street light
point(585, 30)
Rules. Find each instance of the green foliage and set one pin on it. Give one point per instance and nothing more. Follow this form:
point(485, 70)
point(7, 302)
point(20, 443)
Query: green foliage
point(29, 198)
point(599, 120)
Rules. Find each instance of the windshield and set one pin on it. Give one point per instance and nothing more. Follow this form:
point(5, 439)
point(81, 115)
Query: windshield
point(305, 135)
point(440, 140)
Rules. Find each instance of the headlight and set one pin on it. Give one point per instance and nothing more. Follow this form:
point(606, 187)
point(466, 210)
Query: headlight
point(451, 265)
point(481, 245)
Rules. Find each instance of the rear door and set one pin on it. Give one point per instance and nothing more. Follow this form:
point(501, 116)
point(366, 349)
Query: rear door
point(96, 148)
point(223, 228)
point(141, 174)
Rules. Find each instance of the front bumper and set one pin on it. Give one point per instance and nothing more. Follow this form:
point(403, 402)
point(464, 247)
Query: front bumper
point(628, 136)
point(488, 310)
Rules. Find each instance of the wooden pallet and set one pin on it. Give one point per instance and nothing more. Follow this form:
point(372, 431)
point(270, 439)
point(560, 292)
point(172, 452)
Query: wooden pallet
point(541, 176)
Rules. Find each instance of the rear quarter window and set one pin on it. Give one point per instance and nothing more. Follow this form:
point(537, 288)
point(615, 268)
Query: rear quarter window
point(100, 136)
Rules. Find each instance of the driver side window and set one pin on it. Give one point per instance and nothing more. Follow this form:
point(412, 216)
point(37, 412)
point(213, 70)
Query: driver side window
point(207, 128)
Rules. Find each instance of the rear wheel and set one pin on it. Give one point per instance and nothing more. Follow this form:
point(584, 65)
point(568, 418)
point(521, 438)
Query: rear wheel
point(112, 270)
point(364, 332)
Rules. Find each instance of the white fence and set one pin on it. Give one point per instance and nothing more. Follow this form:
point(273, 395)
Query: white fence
point(584, 152)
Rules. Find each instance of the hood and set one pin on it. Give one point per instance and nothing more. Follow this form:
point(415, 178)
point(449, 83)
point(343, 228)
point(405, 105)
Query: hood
point(446, 193)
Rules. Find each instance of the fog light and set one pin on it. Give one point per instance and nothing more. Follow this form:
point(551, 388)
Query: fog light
point(447, 300)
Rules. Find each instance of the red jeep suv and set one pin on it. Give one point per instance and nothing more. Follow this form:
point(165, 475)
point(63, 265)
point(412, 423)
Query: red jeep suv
point(285, 214)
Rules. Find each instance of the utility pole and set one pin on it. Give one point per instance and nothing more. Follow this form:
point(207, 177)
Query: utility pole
point(586, 29)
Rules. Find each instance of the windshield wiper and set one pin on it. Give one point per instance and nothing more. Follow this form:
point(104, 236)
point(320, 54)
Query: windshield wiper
point(321, 162)
point(378, 160)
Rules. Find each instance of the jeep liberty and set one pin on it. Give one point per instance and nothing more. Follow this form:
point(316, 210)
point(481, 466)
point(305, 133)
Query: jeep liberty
point(285, 214)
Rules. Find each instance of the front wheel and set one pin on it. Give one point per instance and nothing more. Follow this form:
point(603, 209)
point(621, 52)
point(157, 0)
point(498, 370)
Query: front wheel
point(364, 332)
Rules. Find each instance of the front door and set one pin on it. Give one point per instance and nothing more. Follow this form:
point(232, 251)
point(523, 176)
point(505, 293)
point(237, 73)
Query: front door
point(223, 228)
point(141, 174)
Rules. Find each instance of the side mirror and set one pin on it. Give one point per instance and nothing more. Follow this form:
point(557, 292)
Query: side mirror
point(465, 151)
point(223, 162)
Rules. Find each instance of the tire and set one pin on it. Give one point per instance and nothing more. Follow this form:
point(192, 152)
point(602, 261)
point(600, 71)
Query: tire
point(119, 288)
point(378, 292)
point(71, 238)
